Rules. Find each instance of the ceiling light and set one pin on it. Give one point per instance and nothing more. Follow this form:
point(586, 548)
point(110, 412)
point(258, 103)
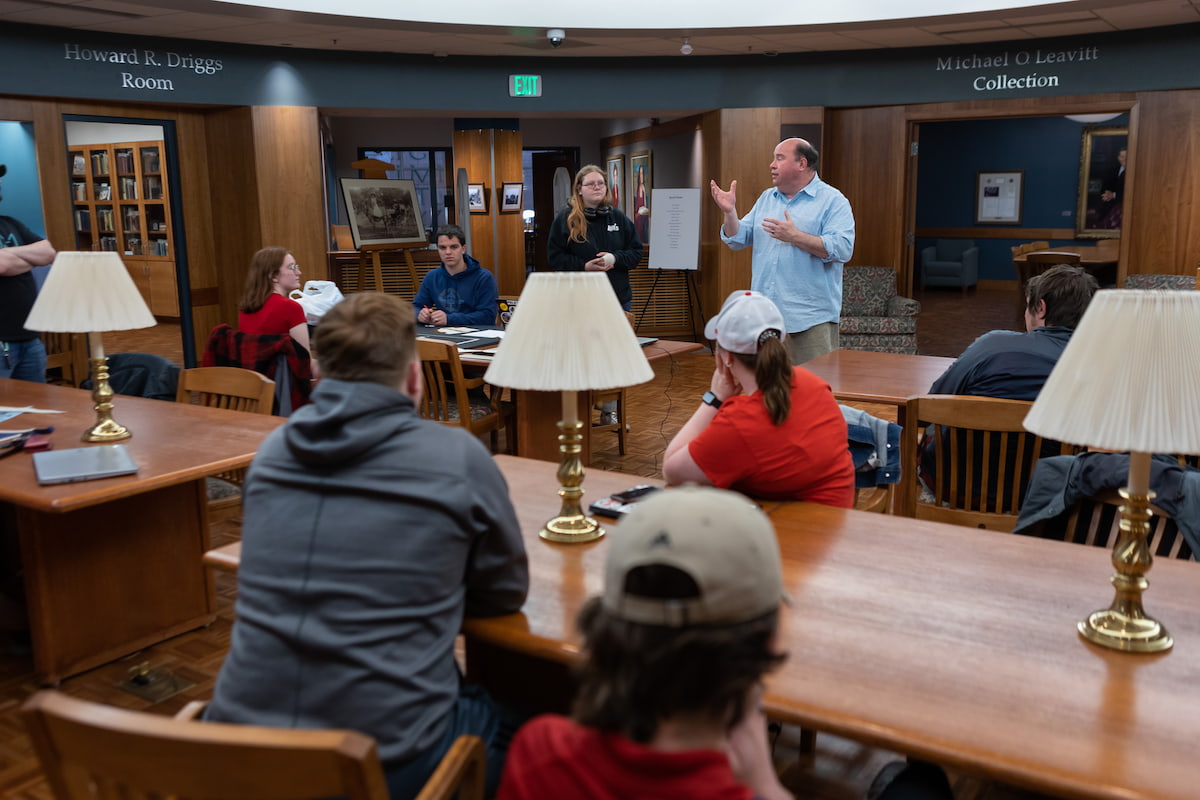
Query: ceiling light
point(1092, 119)
point(687, 48)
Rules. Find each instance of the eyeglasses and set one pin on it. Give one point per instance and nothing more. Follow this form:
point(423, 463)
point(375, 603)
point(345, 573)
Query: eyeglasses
point(593, 185)
point(293, 267)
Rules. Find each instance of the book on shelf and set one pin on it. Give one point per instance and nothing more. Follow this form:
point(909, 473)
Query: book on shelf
point(133, 246)
point(132, 220)
point(124, 162)
point(128, 188)
point(103, 191)
point(78, 164)
point(153, 187)
point(104, 219)
point(108, 243)
point(159, 247)
point(79, 188)
point(100, 163)
point(150, 160)
point(83, 220)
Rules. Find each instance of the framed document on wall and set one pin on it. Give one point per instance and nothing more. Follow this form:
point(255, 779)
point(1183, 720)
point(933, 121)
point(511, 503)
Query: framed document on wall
point(998, 197)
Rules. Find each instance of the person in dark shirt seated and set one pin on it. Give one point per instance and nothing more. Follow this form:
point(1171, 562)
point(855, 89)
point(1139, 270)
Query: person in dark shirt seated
point(1013, 365)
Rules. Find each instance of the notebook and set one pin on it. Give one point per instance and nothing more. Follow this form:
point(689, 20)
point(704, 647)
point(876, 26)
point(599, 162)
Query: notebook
point(83, 464)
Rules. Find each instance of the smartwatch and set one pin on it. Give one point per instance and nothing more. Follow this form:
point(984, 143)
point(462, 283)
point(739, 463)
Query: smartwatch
point(711, 399)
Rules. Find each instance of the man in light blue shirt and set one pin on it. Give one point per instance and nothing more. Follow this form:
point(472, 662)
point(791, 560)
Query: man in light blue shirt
point(802, 232)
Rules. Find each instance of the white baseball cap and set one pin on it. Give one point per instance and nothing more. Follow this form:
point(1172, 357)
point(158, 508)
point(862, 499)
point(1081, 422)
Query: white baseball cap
point(720, 539)
point(746, 320)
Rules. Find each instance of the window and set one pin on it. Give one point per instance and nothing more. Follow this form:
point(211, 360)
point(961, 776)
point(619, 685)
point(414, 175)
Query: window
point(429, 170)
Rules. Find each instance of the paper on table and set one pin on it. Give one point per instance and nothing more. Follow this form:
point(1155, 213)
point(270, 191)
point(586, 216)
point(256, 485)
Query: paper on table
point(490, 334)
point(8, 412)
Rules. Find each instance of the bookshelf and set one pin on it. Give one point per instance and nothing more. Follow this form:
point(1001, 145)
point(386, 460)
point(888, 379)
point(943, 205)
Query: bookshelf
point(120, 204)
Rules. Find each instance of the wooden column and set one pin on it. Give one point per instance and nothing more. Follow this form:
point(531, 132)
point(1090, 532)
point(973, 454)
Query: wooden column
point(738, 144)
point(492, 157)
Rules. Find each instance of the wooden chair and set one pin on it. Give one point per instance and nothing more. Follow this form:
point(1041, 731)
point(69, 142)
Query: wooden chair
point(982, 459)
point(601, 396)
point(447, 392)
point(91, 751)
point(66, 352)
point(1095, 521)
point(236, 389)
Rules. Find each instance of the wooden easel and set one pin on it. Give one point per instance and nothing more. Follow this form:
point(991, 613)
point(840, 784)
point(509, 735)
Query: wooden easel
point(372, 252)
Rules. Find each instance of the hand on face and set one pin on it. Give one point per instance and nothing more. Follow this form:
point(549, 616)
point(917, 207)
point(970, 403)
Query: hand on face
point(724, 384)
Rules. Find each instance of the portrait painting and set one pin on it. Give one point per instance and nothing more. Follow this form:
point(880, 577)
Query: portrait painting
point(616, 181)
point(639, 204)
point(1103, 153)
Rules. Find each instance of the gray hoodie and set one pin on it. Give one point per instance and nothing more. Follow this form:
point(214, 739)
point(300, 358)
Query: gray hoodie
point(368, 532)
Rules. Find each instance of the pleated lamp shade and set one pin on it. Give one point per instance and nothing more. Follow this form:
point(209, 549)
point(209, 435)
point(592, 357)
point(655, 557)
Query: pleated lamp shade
point(1129, 378)
point(87, 292)
point(568, 333)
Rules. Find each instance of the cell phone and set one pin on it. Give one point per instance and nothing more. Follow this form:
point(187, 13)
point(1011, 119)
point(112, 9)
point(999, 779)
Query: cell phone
point(635, 493)
point(621, 503)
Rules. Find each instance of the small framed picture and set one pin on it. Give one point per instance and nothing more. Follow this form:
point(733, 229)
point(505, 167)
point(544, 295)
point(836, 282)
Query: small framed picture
point(998, 197)
point(616, 181)
point(477, 198)
point(510, 197)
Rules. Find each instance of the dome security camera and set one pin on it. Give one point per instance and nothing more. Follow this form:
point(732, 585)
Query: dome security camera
point(556, 36)
point(687, 48)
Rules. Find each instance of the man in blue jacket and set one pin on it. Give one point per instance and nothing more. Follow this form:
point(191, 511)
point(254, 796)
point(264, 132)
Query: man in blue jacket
point(459, 293)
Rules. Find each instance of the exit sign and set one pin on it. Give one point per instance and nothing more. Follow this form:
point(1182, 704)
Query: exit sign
point(524, 85)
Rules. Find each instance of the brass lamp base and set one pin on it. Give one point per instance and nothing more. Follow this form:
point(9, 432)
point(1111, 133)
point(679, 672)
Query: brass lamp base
point(106, 429)
point(571, 524)
point(1125, 625)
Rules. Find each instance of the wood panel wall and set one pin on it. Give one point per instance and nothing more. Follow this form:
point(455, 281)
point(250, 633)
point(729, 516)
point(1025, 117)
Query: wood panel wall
point(738, 145)
point(865, 147)
point(492, 157)
point(866, 158)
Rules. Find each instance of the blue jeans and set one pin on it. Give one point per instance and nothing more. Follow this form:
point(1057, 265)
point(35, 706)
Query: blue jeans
point(23, 361)
point(476, 714)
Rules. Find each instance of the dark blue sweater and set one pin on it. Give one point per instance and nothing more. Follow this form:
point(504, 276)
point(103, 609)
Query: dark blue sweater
point(468, 298)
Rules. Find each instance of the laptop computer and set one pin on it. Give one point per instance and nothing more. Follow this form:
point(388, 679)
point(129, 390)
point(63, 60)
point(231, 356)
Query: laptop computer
point(646, 341)
point(83, 464)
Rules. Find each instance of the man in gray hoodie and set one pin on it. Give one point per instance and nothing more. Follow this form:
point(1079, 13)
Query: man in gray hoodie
point(368, 534)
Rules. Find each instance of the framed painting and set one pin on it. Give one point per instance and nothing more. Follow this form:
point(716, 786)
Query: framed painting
point(998, 197)
point(383, 212)
point(510, 197)
point(1101, 183)
point(616, 181)
point(477, 198)
point(639, 204)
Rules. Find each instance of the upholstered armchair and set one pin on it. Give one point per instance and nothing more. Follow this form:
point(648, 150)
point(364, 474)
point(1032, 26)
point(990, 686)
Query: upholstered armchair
point(950, 262)
point(873, 316)
point(1160, 281)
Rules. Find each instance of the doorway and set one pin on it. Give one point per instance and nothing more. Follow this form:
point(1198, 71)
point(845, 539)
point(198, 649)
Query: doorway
point(125, 195)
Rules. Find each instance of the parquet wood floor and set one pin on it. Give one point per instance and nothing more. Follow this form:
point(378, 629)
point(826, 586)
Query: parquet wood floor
point(838, 770)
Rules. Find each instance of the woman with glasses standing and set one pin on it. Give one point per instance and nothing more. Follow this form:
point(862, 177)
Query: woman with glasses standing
point(265, 308)
point(590, 235)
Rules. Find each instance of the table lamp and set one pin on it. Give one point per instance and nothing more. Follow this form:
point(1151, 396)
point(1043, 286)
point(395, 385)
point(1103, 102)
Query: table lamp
point(90, 293)
point(1128, 380)
point(568, 334)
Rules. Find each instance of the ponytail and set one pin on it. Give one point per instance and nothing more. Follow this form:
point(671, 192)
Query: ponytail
point(773, 373)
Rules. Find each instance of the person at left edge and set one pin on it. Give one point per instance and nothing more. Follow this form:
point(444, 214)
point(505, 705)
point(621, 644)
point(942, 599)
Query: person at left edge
point(589, 235)
point(460, 291)
point(23, 356)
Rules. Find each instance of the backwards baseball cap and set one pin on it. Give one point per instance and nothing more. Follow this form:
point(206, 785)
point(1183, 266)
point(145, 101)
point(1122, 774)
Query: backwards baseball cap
point(746, 320)
point(718, 538)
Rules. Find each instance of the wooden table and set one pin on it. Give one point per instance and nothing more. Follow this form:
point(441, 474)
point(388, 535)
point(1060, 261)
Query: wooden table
point(1100, 261)
point(113, 565)
point(538, 413)
point(951, 644)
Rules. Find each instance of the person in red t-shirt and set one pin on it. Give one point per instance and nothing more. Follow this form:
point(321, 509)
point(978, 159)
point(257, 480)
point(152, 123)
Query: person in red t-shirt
point(669, 699)
point(765, 428)
point(265, 307)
